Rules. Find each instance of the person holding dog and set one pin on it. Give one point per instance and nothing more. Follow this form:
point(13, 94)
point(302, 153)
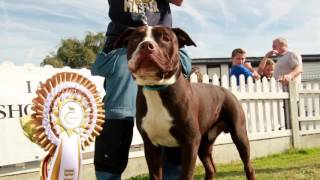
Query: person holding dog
point(112, 146)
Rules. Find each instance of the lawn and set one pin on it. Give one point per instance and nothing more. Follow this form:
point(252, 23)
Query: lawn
point(293, 164)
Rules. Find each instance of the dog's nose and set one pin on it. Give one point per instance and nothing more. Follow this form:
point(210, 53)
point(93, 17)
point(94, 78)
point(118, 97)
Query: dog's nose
point(147, 46)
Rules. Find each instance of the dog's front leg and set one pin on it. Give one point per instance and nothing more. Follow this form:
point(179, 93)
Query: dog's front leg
point(153, 158)
point(189, 157)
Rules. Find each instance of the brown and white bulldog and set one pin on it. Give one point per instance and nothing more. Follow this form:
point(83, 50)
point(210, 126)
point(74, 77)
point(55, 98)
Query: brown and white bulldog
point(173, 112)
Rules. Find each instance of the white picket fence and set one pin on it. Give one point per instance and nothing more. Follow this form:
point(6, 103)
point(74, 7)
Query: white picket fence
point(266, 106)
point(309, 108)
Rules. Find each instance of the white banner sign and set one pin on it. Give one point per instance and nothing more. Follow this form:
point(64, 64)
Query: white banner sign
point(17, 89)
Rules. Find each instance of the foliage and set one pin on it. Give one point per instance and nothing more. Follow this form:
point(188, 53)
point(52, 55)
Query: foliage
point(75, 53)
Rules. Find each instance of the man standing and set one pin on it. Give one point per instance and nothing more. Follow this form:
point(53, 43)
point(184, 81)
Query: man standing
point(112, 146)
point(289, 64)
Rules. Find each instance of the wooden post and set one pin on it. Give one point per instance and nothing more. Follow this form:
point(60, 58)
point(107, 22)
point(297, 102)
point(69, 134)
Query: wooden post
point(293, 114)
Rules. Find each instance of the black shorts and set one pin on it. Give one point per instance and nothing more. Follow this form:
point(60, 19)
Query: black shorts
point(113, 144)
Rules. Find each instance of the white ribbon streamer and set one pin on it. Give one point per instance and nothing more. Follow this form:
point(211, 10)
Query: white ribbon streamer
point(66, 162)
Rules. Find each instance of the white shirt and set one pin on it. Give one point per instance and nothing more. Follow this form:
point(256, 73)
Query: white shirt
point(286, 63)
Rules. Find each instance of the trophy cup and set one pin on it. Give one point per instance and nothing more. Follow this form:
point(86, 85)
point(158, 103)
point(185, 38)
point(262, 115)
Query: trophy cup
point(68, 114)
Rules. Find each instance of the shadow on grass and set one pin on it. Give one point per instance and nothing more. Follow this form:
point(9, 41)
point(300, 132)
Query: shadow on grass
point(231, 174)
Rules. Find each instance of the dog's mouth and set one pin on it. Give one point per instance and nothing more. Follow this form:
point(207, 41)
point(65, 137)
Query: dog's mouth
point(151, 69)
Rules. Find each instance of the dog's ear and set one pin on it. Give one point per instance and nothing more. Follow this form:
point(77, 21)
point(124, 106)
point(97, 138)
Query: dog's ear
point(123, 39)
point(183, 38)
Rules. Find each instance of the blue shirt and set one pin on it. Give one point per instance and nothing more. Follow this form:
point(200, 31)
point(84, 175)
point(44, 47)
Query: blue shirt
point(121, 90)
point(237, 70)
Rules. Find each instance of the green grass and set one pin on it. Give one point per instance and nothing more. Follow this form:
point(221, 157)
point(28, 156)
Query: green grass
point(293, 164)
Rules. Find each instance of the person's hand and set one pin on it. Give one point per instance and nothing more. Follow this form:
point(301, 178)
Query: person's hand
point(256, 75)
point(285, 79)
point(271, 53)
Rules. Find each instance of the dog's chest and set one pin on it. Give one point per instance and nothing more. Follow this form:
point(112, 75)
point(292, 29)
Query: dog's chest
point(157, 121)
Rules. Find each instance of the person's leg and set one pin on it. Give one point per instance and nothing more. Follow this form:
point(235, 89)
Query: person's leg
point(104, 175)
point(185, 62)
point(112, 148)
point(171, 163)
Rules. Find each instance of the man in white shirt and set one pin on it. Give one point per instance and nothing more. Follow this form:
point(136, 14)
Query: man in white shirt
point(289, 64)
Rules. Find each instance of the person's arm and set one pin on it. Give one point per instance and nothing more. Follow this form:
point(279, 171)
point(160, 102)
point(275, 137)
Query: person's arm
point(240, 69)
point(176, 2)
point(262, 63)
point(255, 74)
point(104, 65)
point(296, 71)
point(292, 74)
point(246, 71)
point(296, 64)
point(186, 61)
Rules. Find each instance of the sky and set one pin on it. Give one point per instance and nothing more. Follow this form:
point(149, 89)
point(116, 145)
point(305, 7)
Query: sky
point(32, 29)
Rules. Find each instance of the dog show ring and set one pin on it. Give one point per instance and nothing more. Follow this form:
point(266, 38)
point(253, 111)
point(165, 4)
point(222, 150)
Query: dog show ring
point(68, 114)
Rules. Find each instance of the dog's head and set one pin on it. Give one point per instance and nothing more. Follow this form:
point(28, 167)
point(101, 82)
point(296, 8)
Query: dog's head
point(153, 53)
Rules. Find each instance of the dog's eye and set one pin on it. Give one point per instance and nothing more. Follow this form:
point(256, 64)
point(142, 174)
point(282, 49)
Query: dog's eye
point(166, 38)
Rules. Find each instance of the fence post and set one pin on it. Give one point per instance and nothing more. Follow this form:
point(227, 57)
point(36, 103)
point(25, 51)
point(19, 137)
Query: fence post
point(193, 78)
point(293, 114)
point(224, 70)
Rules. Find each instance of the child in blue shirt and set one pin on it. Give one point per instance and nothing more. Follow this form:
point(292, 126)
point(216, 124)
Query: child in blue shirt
point(239, 66)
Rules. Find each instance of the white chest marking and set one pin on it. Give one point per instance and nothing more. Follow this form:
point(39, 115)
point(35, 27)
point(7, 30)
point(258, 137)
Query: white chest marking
point(157, 121)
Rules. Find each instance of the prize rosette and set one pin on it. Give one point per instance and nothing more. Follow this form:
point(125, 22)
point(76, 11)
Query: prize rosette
point(68, 114)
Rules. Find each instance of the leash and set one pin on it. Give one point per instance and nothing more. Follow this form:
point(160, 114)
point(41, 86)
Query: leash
point(145, 8)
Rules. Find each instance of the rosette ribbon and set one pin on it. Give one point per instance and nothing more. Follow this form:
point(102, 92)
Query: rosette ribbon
point(68, 114)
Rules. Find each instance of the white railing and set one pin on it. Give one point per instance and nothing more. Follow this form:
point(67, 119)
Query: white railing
point(309, 108)
point(262, 102)
point(267, 106)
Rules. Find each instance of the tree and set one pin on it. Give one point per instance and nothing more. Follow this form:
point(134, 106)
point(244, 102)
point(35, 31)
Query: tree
point(94, 41)
point(75, 53)
point(53, 61)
